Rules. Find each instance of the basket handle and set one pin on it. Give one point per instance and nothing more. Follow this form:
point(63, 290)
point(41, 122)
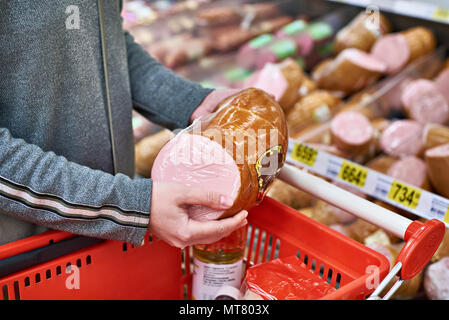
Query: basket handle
point(422, 239)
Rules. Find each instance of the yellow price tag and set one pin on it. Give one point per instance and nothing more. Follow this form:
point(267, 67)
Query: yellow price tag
point(446, 216)
point(304, 154)
point(404, 194)
point(441, 14)
point(352, 173)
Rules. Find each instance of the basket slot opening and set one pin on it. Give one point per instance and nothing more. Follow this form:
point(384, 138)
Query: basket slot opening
point(187, 261)
point(183, 262)
point(249, 243)
point(125, 247)
point(186, 291)
point(253, 248)
point(277, 247)
point(337, 281)
point(16, 290)
point(306, 260)
point(48, 274)
point(26, 282)
point(5, 292)
point(78, 263)
point(88, 260)
point(37, 278)
point(68, 268)
point(313, 266)
point(329, 276)
point(261, 243)
point(265, 248)
point(321, 274)
point(270, 248)
point(58, 270)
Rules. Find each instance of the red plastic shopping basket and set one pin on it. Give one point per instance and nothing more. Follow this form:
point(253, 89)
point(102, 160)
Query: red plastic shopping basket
point(118, 270)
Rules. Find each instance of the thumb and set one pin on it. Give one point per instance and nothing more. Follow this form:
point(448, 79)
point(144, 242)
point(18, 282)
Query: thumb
point(207, 198)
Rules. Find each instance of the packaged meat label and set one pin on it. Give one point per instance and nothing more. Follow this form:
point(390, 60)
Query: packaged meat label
point(261, 41)
point(284, 48)
point(294, 27)
point(319, 30)
point(237, 74)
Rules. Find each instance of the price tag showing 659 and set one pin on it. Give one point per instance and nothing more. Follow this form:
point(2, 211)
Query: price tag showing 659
point(304, 154)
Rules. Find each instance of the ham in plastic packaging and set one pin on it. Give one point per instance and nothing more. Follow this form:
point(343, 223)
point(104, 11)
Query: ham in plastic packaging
point(237, 151)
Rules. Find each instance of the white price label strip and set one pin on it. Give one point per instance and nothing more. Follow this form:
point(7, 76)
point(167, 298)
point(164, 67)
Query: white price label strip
point(380, 186)
point(417, 9)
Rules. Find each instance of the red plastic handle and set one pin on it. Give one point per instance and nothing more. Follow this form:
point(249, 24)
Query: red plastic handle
point(422, 240)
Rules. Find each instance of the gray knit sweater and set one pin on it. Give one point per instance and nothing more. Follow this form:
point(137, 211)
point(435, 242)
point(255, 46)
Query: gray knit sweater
point(59, 128)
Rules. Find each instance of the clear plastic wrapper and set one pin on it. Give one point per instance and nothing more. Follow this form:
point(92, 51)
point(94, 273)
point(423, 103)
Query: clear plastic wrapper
point(283, 279)
point(237, 151)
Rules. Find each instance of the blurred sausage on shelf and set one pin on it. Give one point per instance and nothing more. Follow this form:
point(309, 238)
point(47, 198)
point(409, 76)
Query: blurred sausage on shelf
point(316, 107)
point(362, 32)
point(352, 132)
point(350, 71)
point(436, 280)
point(397, 50)
point(423, 102)
point(435, 135)
point(437, 160)
point(402, 138)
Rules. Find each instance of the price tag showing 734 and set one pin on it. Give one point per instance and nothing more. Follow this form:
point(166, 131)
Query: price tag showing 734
point(404, 194)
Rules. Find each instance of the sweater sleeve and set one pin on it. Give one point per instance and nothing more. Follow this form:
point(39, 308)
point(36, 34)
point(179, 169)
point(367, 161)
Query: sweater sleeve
point(158, 93)
point(45, 189)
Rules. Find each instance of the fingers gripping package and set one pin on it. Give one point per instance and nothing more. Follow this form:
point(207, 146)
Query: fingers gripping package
point(237, 151)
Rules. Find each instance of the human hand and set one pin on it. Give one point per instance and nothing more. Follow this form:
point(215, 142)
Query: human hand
point(211, 102)
point(169, 219)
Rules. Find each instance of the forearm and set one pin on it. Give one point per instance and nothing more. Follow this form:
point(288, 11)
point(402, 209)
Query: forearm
point(158, 93)
point(45, 189)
